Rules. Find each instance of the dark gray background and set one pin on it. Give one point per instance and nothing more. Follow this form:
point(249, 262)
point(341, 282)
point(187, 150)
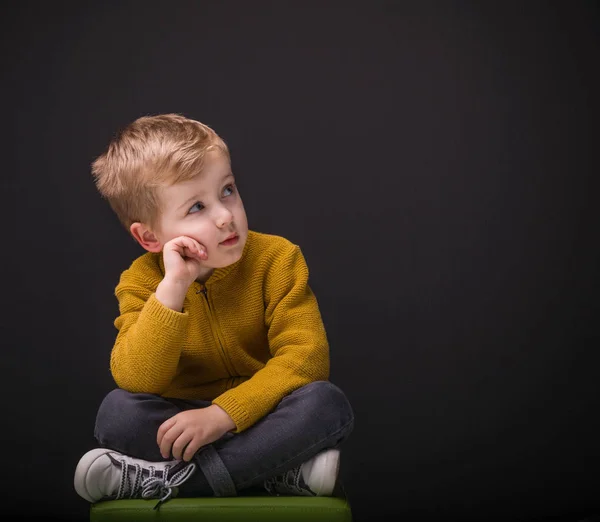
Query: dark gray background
point(436, 161)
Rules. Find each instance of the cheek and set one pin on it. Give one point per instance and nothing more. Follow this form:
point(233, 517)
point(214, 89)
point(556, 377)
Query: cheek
point(199, 231)
point(206, 237)
point(240, 214)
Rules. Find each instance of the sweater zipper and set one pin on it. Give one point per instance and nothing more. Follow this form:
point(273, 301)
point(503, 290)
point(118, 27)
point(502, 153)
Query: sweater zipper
point(215, 332)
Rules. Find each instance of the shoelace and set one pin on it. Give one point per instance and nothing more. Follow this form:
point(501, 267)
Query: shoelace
point(153, 486)
point(288, 482)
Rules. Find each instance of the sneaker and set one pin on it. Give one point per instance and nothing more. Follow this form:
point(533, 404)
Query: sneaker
point(316, 477)
point(104, 474)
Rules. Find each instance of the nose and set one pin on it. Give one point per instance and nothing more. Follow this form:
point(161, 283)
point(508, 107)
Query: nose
point(224, 218)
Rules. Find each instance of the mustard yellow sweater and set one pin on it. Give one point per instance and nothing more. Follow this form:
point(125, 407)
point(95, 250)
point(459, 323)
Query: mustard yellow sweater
point(249, 336)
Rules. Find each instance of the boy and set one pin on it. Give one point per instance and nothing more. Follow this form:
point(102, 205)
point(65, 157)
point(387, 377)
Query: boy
point(221, 357)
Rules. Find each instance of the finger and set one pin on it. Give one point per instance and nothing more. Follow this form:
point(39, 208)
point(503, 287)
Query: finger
point(163, 428)
point(179, 244)
point(191, 449)
point(202, 252)
point(168, 439)
point(190, 252)
point(194, 249)
point(198, 246)
point(180, 444)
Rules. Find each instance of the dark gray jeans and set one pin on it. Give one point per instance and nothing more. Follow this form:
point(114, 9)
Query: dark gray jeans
point(307, 421)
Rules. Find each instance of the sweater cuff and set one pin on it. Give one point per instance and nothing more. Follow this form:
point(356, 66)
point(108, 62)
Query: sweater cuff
point(238, 414)
point(164, 315)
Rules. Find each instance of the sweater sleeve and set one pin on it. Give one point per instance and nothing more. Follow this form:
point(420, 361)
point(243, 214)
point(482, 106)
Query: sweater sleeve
point(297, 342)
point(146, 352)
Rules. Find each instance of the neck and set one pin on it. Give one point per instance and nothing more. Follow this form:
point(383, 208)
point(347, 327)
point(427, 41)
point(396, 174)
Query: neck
point(203, 277)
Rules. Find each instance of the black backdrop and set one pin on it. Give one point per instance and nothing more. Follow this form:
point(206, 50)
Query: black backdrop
point(437, 164)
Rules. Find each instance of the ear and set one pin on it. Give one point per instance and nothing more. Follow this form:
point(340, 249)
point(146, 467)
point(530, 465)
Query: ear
point(145, 237)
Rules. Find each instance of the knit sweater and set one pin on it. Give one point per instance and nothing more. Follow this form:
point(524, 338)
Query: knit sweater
point(250, 335)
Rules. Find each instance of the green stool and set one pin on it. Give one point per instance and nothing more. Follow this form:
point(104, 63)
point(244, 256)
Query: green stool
point(255, 508)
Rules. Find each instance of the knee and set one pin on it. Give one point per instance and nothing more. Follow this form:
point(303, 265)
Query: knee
point(327, 400)
point(117, 416)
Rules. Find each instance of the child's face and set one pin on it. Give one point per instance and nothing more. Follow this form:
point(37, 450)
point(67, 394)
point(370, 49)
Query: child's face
point(208, 209)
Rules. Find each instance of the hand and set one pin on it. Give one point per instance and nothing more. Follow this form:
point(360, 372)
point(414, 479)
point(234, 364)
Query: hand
point(185, 433)
point(183, 257)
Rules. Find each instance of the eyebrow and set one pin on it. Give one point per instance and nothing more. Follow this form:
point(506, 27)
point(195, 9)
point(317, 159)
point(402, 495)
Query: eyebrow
point(196, 196)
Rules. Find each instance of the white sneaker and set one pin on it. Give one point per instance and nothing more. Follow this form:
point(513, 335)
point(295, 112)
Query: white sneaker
point(316, 477)
point(104, 474)
point(320, 473)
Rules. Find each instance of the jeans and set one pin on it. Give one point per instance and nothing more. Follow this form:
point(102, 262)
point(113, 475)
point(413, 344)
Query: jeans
point(305, 422)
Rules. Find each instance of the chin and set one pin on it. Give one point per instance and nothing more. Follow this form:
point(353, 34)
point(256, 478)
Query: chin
point(229, 260)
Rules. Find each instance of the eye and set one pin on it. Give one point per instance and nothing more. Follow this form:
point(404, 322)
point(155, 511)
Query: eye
point(230, 187)
point(198, 206)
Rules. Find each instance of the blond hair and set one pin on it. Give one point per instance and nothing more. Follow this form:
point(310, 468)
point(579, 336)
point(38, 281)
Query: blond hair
point(151, 152)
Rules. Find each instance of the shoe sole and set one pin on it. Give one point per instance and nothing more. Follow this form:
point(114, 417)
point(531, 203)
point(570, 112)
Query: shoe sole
point(85, 463)
point(327, 460)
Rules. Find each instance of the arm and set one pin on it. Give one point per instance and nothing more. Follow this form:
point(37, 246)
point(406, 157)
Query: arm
point(297, 342)
point(152, 325)
point(147, 348)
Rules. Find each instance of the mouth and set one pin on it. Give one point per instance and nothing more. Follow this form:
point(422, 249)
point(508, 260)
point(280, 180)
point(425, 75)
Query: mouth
point(231, 240)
